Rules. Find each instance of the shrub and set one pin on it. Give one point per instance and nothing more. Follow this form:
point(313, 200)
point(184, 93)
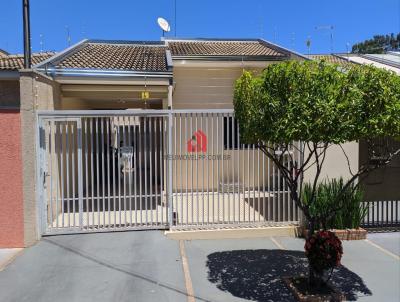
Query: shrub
point(335, 207)
point(324, 251)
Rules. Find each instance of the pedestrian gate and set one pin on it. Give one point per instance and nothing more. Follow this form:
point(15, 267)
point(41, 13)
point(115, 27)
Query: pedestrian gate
point(153, 169)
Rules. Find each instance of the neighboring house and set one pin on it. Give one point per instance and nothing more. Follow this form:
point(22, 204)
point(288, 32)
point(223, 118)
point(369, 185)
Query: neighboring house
point(382, 184)
point(340, 59)
point(12, 211)
point(389, 61)
point(3, 53)
point(10, 77)
point(73, 188)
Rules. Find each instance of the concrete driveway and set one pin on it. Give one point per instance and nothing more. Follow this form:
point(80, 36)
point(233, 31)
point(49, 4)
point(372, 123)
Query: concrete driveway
point(125, 266)
point(388, 241)
point(250, 269)
point(146, 266)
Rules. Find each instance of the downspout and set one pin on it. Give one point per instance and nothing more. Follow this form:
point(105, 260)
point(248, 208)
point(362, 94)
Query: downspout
point(27, 35)
point(170, 90)
point(170, 66)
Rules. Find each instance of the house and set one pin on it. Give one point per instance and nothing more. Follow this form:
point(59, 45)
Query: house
point(117, 135)
point(12, 211)
point(389, 61)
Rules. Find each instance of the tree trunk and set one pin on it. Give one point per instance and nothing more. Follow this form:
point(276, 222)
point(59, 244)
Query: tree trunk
point(311, 228)
point(313, 279)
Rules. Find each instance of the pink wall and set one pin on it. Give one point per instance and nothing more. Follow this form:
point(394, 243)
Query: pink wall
point(11, 200)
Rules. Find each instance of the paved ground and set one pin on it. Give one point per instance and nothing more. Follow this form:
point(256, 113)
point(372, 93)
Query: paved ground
point(246, 270)
point(126, 266)
point(146, 266)
point(389, 241)
point(8, 255)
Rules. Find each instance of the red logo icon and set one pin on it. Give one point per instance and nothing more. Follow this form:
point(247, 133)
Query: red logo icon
point(198, 142)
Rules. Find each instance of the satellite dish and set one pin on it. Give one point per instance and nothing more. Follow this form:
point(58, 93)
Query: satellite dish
point(164, 25)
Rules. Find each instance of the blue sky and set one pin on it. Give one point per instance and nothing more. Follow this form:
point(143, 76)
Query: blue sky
point(288, 23)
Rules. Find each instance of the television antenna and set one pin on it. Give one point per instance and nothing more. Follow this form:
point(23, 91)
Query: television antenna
point(68, 35)
point(348, 51)
point(308, 43)
point(164, 25)
point(330, 28)
point(41, 43)
point(292, 40)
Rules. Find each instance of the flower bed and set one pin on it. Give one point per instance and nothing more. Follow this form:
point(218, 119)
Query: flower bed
point(348, 234)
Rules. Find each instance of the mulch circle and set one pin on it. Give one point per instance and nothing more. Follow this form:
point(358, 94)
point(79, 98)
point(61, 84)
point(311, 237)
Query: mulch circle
point(300, 288)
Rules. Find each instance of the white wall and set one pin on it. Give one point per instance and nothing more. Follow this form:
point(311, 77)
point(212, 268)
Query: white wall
point(335, 164)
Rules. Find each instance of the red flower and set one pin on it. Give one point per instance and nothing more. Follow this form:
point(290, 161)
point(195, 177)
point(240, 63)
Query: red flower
point(323, 250)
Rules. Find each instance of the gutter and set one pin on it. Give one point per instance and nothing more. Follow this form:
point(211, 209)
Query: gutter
point(75, 72)
point(229, 58)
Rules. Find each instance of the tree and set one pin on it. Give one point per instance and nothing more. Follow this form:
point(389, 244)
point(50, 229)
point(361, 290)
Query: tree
point(378, 44)
point(309, 106)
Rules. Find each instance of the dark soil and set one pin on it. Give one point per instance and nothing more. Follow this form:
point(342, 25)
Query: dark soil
point(302, 285)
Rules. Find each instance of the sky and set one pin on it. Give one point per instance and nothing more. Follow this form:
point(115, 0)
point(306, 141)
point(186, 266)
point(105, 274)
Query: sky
point(288, 23)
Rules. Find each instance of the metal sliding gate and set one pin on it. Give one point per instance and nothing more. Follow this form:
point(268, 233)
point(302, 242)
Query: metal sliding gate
point(154, 169)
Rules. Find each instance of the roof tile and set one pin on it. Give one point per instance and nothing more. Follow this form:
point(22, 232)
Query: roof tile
point(330, 59)
point(222, 48)
point(118, 57)
point(15, 62)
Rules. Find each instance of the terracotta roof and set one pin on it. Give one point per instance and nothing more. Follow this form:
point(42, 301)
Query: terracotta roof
point(330, 59)
point(15, 62)
point(222, 48)
point(3, 53)
point(115, 56)
point(155, 56)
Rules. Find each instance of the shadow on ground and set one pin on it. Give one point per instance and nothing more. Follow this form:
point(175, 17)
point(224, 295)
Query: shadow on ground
point(256, 274)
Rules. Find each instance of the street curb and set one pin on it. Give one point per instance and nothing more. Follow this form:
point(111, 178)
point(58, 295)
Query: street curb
point(8, 259)
point(233, 233)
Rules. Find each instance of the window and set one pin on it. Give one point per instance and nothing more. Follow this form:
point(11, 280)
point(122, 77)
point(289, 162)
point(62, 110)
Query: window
point(231, 135)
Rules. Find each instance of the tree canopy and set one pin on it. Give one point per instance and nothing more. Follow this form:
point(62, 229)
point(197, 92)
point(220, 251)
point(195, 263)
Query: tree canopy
point(317, 102)
point(378, 44)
